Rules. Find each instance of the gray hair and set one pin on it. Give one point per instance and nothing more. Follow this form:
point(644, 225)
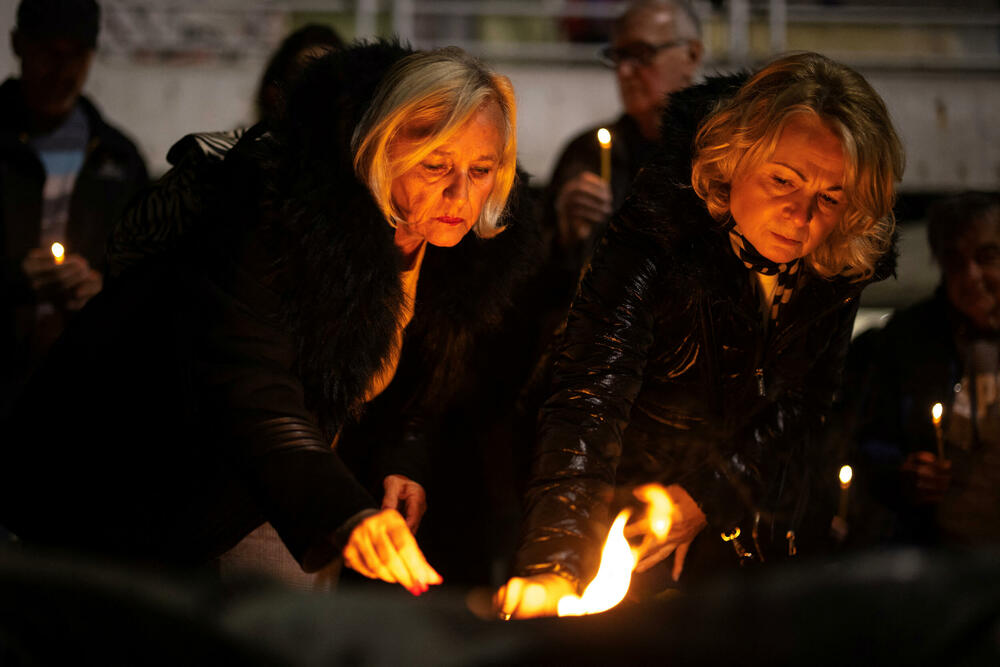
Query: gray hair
point(687, 20)
point(441, 90)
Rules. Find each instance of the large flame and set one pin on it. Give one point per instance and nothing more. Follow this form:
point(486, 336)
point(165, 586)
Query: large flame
point(618, 558)
point(613, 577)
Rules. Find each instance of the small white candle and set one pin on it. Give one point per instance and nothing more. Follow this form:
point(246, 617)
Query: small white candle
point(936, 413)
point(58, 252)
point(846, 475)
point(604, 139)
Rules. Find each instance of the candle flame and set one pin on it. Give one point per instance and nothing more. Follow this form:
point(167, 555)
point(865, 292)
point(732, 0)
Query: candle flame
point(613, 577)
point(604, 137)
point(58, 251)
point(619, 558)
point(846, 475)
point(936, 413)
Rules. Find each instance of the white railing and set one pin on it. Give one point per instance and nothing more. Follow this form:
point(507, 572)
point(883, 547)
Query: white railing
point(966, 38)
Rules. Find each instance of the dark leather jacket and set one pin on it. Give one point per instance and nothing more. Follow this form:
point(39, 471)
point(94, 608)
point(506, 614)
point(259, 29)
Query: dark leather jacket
point(667, 374)
point(237, 338)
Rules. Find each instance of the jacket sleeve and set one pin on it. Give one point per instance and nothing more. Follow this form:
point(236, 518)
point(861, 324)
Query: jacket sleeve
point(256, 406)
point(598, 373)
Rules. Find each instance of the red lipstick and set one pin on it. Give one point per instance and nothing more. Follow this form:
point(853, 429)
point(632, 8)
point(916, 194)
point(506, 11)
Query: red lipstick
point(449, 220)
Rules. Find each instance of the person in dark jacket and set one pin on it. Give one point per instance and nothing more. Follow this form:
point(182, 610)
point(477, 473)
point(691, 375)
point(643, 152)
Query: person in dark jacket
point(704, 347)
point(65, 177)
point(656, 50)
point(224, 358)
point(944, 350)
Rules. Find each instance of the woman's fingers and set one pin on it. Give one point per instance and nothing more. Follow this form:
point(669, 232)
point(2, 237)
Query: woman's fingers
point(650, 559)
point(508, 597)
point(679, 557)
point(382, 547)
point(369, 555)
point(411, 555)
point(356, 563)
point(390, 557)
point(528, 597)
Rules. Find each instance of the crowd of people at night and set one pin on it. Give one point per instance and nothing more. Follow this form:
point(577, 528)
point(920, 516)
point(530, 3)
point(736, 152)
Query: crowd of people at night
point(357, 341)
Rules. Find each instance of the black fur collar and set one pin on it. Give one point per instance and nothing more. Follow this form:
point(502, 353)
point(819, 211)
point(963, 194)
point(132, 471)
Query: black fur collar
point(337, 266)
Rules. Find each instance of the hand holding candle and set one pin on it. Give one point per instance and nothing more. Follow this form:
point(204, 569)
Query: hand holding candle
point(604, 139)
point(937, 412)
point(846, 475)
point(838, 525)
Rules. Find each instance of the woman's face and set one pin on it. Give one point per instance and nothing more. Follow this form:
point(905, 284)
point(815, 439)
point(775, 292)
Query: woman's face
point(442, 196)
point(787, 205)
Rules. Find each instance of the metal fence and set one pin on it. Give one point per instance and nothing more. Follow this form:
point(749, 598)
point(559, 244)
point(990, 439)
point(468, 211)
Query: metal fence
point(940, 36)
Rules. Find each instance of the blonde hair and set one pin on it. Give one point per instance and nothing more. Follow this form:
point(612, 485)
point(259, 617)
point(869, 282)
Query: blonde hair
point(744, 130)
point(437, 92)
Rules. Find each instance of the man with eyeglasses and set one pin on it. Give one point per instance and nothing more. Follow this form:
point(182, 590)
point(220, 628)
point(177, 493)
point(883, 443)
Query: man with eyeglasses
point(655, 50)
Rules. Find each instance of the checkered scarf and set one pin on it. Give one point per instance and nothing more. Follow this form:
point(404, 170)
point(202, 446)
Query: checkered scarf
point(787, 272)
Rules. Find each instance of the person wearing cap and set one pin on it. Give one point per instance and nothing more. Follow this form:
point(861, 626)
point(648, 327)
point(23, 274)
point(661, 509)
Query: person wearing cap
point(65, 176)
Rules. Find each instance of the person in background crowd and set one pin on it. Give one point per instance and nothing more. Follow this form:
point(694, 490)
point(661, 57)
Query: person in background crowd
point(706, 343)
point(655, 50)
point(218, 369)
point(65, 176)
point(286, 64)
point(945, 349)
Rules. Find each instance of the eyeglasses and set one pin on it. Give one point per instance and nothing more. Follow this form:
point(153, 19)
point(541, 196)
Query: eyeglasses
point(637, 53)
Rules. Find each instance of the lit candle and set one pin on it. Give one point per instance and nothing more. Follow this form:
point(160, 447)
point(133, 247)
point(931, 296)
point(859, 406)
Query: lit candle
point(58, 252)
point(604, 139)
point(846, 475)
point(936, 413)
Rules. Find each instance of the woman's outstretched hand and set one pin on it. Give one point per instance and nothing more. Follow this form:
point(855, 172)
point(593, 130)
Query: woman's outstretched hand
point(382, 547)
point(528, 597)
point(686, 521)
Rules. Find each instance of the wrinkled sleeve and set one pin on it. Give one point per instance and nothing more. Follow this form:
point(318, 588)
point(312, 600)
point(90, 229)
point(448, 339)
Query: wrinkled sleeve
point(256, 405)
point(598, 374)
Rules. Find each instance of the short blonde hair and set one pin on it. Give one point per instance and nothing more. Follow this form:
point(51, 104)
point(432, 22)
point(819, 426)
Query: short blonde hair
point(744, 130)
point(441, 89)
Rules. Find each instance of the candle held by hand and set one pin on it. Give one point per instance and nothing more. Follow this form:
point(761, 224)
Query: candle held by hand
point(604, 139)
point(58, 252)
point(937, 412)
point(846, 475)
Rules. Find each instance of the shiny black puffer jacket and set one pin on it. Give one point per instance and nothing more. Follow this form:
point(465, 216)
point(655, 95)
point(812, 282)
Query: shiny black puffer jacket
point(666, 374)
